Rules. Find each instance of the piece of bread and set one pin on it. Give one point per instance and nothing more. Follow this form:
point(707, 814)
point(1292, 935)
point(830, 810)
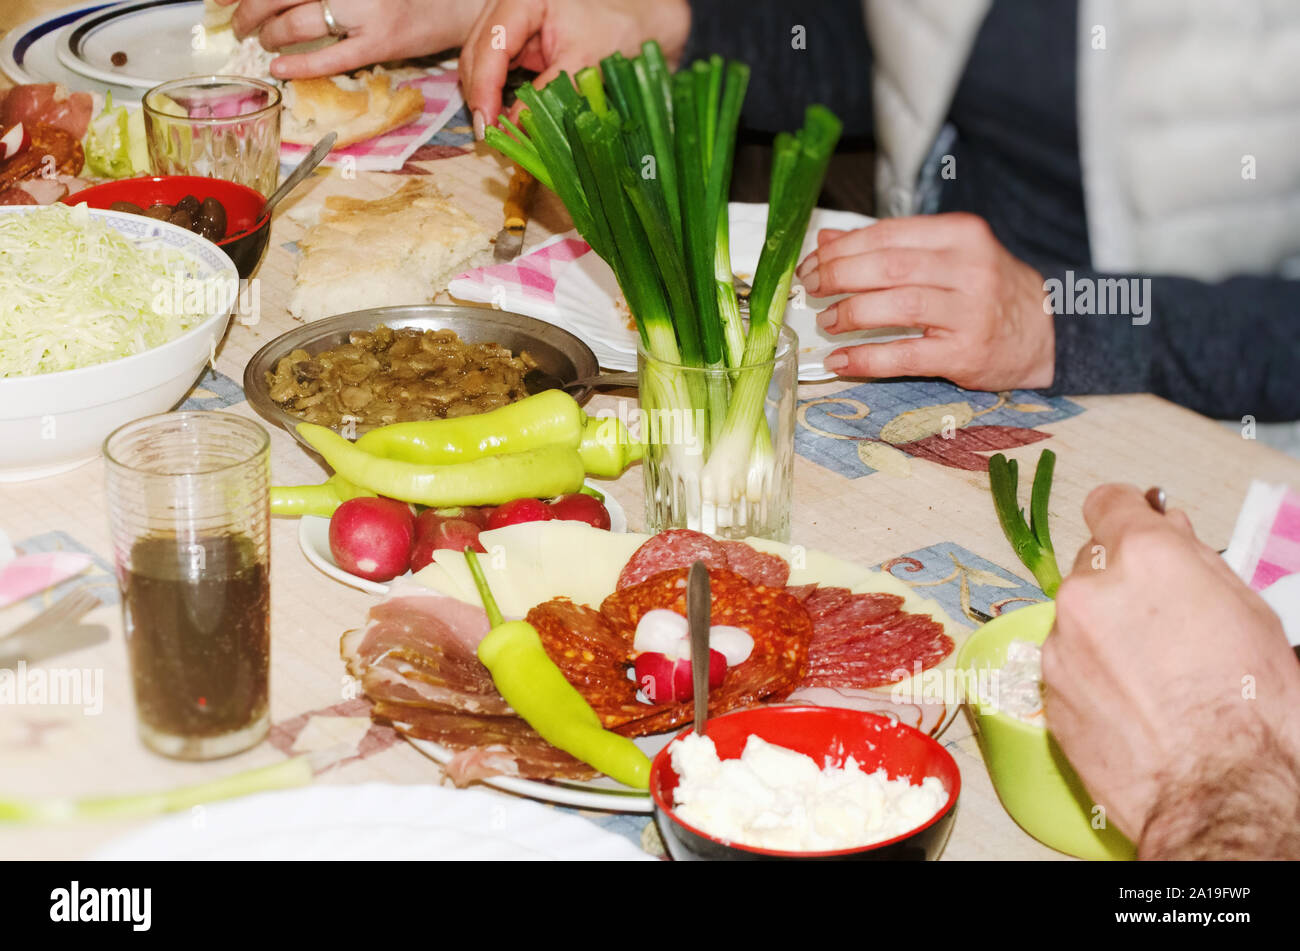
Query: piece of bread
point(402, 249)
point(356, 107)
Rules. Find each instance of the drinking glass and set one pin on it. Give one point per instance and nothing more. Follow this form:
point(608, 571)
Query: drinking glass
point(216, 126)
point(189, 516)
point(688, 484)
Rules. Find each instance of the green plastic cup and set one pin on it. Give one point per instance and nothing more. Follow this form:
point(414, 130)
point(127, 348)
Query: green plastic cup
point(1034, 780)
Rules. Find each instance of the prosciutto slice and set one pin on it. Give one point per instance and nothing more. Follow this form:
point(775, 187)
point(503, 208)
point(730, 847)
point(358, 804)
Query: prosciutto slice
point(485, 746)
point(418, 648)
point(50, 104)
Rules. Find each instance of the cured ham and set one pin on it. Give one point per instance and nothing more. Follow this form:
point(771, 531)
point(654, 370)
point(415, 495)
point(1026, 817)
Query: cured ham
point(48, 104)
point(485, 746)
point(418, 649)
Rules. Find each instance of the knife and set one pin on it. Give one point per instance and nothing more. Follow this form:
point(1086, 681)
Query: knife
point(510, 239)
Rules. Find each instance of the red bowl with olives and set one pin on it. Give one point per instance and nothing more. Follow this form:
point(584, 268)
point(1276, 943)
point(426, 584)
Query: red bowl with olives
point(226, 213)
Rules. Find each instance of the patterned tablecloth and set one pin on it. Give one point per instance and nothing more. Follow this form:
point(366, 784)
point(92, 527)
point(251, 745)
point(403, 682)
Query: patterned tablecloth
point(887, 474)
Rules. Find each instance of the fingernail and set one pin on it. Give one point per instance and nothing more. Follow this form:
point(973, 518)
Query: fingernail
point(836, 362)
point(826, 319)
point(809, 263)
point(812, 280)
point(479, 125)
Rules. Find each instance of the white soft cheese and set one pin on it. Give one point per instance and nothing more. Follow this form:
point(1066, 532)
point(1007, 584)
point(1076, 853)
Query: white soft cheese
point(1020, 683)
point(775, 798)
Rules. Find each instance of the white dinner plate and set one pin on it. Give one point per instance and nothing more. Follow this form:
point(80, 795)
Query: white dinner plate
point(599, 793)
point(28, 54)
point(372, 822)
point(162, 40)
point(314, 540)
point(589, 303)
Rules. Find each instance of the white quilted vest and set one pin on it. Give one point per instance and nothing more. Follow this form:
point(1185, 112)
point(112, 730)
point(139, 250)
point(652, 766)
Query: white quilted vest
point(1189, 125)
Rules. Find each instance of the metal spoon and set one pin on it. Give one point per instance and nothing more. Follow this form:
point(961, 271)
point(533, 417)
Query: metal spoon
point(535, 381)
point(699, 613)
point(301, 171)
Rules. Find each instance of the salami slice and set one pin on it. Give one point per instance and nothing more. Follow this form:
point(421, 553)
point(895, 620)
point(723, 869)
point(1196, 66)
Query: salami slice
point(801, 591)
point(826, 601)
point(675, 548)
point(868, 641)
point(757, 567)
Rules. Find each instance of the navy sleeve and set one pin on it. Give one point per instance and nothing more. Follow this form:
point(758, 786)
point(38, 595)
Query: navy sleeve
point(1226, 350)
point(798, 54)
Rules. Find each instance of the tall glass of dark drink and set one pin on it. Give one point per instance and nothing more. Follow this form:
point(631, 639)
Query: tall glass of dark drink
point(189, 516)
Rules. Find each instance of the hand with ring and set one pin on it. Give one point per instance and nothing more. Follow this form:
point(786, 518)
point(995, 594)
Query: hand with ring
point(369, 31)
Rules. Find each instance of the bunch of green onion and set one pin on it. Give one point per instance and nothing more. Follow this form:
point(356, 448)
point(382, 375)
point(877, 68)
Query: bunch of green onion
point(642, 160)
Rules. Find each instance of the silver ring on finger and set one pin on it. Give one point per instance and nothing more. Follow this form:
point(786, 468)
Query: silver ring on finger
point(331, 24)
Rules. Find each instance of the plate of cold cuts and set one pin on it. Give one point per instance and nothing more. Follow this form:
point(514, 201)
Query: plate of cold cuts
point(823, 631)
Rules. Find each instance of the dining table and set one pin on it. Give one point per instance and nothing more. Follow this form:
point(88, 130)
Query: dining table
point(888, 474)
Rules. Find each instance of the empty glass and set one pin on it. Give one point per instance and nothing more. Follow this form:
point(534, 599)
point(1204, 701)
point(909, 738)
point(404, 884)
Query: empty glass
point(216, 126)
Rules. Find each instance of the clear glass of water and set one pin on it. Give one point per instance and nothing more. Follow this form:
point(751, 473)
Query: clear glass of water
point(215, 126)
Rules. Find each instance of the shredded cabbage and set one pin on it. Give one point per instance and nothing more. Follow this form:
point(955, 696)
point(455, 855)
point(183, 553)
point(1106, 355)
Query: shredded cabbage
point(74, 292)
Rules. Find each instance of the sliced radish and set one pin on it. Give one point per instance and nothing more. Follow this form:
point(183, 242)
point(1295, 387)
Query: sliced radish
point(14, 141)
point(664, 679)
point(734, 643)
point(660, 631)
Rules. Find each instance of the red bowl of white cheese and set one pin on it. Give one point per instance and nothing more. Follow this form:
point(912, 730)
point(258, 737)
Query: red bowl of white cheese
point(805, 782)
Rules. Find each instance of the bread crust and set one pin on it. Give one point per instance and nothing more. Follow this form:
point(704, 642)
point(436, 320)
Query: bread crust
point(357, 109)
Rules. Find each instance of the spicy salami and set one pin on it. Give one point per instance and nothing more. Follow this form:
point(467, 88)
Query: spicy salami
point(774, 618)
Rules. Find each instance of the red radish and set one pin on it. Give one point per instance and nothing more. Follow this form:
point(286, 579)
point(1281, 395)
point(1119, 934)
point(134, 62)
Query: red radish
point(476, 514)
point(14, 141)
point(425, 527)
point(458, 535)
point(372, 537)
point(580, 507)
point(519, 511)
point(434, 532)
point(663, 679)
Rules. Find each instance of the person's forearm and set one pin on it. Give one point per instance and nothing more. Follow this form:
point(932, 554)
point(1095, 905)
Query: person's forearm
point(1246, 809)
point(798, 54)
point(1226, 350)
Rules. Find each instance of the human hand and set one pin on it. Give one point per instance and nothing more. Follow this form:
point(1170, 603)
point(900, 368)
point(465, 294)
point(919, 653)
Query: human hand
point(980, 307)
point(559, 35)
point(1172, 689)
point(377, 31)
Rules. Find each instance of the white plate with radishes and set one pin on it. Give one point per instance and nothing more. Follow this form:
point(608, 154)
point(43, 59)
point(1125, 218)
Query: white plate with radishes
point(385, 537)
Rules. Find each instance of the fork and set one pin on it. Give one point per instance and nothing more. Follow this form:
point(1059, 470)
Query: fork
point(71, 607)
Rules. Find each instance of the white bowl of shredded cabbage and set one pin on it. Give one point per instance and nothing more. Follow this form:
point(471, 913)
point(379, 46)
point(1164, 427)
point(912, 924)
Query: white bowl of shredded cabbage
point(104, 317)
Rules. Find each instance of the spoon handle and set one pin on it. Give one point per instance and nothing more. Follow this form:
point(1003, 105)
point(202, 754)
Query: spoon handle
point(303, 169)
point(699, 614)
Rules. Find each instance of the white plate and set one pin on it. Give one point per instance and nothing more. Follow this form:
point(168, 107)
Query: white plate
point(28, 54)
point(599, 793)
point(158, 37)
point(314, 540)
point(369, 822)
point(589, 303)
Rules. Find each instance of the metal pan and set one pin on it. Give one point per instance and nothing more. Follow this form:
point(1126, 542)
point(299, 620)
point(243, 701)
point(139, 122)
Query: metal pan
point(556, 351)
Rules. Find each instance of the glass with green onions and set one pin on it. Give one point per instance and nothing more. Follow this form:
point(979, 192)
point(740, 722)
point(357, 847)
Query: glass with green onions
point(642, 161)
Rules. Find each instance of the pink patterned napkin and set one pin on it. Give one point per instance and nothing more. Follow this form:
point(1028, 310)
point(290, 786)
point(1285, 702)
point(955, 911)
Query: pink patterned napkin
point(389, 152)
point(527, 283)
point(21, 576)
point(1266, 540)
